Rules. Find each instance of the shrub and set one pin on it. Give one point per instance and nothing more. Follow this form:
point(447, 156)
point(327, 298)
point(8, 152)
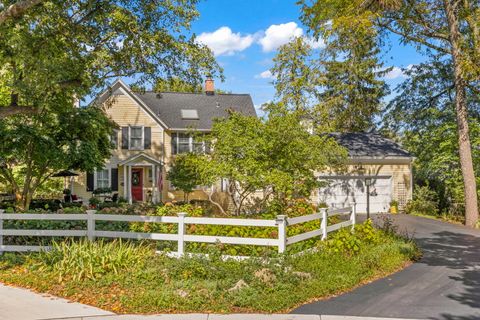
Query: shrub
point(94, 202)
point(351, 243)
point(45, 204)
point(424, 202)
point(89, 260)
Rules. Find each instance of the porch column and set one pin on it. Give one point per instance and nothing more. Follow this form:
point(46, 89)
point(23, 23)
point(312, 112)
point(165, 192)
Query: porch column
point(125, 181)
point(129, 184)
point(154, 183)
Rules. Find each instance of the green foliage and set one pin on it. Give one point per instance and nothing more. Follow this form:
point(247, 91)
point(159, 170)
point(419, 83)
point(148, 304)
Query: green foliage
point(102, 190)
point(341, 89)
point(184, 174)
point(157, 284)
point(94, 201)
point(424, 118)
point(276, 154)
point(352, 80)
point(425, 202)
point(445, 86)
point(99, 41)
point(35, 147)
point(295, 74)
point(350, 242)
point(90, 260)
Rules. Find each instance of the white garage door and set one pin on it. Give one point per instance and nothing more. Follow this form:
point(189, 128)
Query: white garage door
point(342, 193)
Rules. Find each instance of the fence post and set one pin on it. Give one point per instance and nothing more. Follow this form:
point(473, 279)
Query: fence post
point(91, 225)
point(282, 233)
point(323, 224)
point(1, 230)
point(353, 217)
point(181, 233)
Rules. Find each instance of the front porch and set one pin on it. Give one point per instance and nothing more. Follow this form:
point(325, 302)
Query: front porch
point(142, 178)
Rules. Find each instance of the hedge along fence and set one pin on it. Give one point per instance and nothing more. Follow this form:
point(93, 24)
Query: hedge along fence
point(281, 222)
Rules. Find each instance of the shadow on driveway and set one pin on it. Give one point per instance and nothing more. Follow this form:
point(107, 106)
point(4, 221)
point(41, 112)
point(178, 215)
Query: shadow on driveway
point(444, 284)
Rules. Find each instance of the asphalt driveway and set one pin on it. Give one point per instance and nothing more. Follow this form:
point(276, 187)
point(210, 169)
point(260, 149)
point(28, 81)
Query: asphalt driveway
point(444, 284)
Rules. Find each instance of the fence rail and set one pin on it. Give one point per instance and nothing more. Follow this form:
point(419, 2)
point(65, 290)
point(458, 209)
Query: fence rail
point(281, 223)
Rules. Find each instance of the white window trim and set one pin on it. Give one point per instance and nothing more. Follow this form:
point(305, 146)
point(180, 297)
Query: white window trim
point(142, 147)
point(109, 177)
point(115, 134)
point(190, 143)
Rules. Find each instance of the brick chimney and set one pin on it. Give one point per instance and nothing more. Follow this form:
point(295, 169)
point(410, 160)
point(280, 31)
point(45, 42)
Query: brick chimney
point(209, 86)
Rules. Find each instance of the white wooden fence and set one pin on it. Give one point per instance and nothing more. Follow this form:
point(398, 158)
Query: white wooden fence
point(281, 222)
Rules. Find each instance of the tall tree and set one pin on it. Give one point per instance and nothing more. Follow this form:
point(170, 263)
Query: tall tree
point(176, 85)
point(276, 154)
point(447, 27)
point(423, 116)
point(340, 86)
point(33, 147)
point(352, 82)
point(295, 74)
point(74, 47)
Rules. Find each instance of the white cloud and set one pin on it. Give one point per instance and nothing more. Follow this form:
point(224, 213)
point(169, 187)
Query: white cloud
point(279, 34)
point(224, 41)
point(397, 73)
point(267, 74)
point(316, 44)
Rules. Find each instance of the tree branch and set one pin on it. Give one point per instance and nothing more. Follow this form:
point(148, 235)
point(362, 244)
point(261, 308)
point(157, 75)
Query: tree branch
point(412, 38)
point(17, 10)
point(13, 110)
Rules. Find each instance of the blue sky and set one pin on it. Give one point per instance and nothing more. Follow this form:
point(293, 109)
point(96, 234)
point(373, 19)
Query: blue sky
point(244, 36)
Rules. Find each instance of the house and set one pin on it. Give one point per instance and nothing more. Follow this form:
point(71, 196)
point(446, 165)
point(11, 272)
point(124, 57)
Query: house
point(375, 161)
point(154, 127)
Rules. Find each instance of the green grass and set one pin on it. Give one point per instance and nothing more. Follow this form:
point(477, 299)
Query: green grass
point(131, 279)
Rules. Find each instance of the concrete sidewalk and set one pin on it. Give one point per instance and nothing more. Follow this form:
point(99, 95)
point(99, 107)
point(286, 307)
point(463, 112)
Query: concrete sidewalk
point(22, 304)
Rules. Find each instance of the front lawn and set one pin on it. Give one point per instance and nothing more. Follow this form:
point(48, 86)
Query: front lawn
point(129, 278)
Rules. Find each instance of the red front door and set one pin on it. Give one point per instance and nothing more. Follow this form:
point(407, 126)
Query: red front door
point(137, 184)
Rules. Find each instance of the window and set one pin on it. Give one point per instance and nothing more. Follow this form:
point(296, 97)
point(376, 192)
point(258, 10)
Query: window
point(136, 138)
point(114, 138)
point(184, 143)
point(103, 180)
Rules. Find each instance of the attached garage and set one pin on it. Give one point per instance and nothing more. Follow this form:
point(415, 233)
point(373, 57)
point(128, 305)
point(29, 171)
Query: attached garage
point(373, 160)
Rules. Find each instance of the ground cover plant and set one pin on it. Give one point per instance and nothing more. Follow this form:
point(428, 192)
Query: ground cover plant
point(130, 278)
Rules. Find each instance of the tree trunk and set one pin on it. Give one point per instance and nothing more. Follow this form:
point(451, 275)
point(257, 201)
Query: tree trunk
point(464, 146)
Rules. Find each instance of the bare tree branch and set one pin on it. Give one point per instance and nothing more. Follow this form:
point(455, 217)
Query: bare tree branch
point(18, 9)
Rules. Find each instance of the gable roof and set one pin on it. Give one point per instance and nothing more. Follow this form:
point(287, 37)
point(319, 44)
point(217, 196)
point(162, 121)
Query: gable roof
point(120, 88)
point(168, 106)
point(370, 145)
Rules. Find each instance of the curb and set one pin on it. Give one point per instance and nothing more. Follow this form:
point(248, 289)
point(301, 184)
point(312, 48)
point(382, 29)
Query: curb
point(250, 316)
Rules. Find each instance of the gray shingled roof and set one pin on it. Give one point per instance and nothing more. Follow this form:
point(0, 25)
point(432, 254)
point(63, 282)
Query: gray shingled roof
point(168, 105)
point(370, 145)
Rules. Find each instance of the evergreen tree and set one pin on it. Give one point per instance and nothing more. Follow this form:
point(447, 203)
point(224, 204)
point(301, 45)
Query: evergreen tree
point(351, 81)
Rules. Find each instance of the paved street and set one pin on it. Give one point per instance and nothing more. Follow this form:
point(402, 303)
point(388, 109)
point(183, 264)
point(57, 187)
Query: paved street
point(444, 284)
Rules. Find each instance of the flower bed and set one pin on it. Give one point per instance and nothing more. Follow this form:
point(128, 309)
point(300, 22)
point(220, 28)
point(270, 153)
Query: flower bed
point(122, 277)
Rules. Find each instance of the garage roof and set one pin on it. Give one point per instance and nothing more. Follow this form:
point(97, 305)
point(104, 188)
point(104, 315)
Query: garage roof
point(370, 145)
